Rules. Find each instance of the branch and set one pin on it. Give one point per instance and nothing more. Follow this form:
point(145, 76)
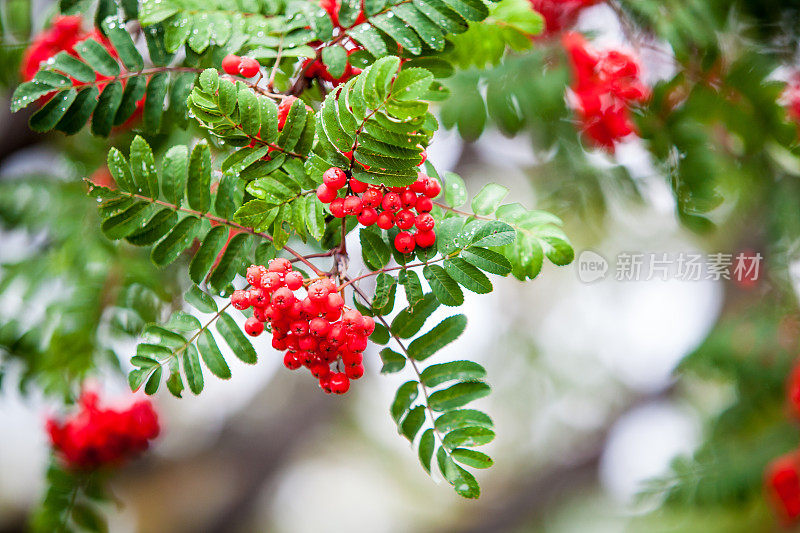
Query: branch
point(350, 281)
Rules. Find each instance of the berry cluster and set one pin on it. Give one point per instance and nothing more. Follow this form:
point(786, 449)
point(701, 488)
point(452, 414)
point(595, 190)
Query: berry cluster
point(782, 480)
point(95, 437)
point(316, 331)
point(560, 14)
point(404, 207)
point(605, 85)
point(791, 97)
point(247, 67)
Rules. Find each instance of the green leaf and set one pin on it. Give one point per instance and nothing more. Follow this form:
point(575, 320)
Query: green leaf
point(456, 370)
point(410, 320)
point(392, 361)
point(158, 226)
point(154, 101)
point(46, 118)
point(447, 331)
point(413, 422)
point(472, 458)
point(174, 381)
point(97, 57)
point(200, 300)
point(467, 275)
point(212, 245)
point(231, 262)
point(455, 192)
point(458, 395)
point(212, 356)
point(114, 28)
point(154, 382)
point(240, 344)
point(143, 168)
point(192, 370)
point(381, 334)
point(487, 260)
point(383, 290)
point(493, 233)
point(173, 175)
point(405, 396)
point(443, 286)
point(461, 418)
point(88, 518)
point(229, 195)
point(427, 444)
point(175, 242)
point(374, 250)
point(410, 280)
point(488, 199)
point(106, 110)
point(335, 58)
point(127, 222)
point(79, 112)
point(198, 185)
point(462, 481)
point(468, 436)
point(183, 322)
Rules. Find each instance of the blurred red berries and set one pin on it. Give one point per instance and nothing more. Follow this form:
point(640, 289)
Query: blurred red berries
point(560, 14)
point(95, 437)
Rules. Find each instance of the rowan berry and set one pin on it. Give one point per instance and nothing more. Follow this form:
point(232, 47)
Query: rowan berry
point(372, 197)
point(408, 198)
point(230, 64)
point(325, 384)
point(249, 67)
point(424, 222)
point(240, 300)
point(319, 370)
point(319, 327)
point(404, 242)
point(326, 193)
point(291, 361)
point(253, 327)
point(258, 298)
point(271, 281)
point(339, 382)
point(337, 207)
point(334, 302)
point(358, 186)
point(404, 219)
point(424, 204)
point(335, 178)
point(280, 265)
point(425, 239)
point(352, 358)
point(432, 188)
point(283, 298)
point(354, 371)
point(293, 280)
point(318, 292)
point(254, 273)
point(385, 220)
point(424, 156)
point(367, 217)
point(419, 185)
point(357, 344)
point(391, 202)
point(369, 325)
point(352, 205)
point(299, 328)
point(260, 313)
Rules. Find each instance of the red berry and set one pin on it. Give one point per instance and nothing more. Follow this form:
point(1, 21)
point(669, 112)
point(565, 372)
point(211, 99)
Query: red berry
point(404, 219)
point(352, 358)
point(404, 242)
point(318, 291)
point(319, 327)
point(337, 335)
point(425, 222)
point(240, 300)
point(326, 194)
point(283, 110)
point(279, 343)
point(391, 202)
point(335, 178)
point(258, 297)
point(369, 325)
point(357, 344)
point(425, 239)
point(254, 273)
point(320, 370)
point(291, 361)
point(352, 319)
point(325, 384)
point(333, 316)
point(308, 309)
point(339, 383)
point(334, 302)
point(424, 155)
point(358, 186)
point(253, 327)
point(308, 343)
point(337, 207)
point(230, 64)
point(271, 281)
point(367, 217)
point(432, 188)
point(273, 314)
point(280, 265)
point(354, 371)
point(408, 198)
point(283, 298)
point(424, 204)
point(294, 280)
point(419, 185)
point(249, 67)
point(372, 197)
point(299, 328)
point(352, 205)
point(385, 220)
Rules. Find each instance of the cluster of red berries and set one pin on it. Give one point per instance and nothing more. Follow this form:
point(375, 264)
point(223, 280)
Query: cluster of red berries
point(782, 476)
point(316, 331)
point(791, 97)
point(605, 86)
point(404, 207)
point(560, 14)
point(95, 437)
point(247, 67)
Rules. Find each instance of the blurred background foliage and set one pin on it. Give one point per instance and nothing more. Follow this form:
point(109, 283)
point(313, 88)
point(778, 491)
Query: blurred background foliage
point(649, 406)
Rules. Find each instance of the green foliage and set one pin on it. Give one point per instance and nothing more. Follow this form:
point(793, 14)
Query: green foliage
point(376, 125)
point(73, 502)
point(102, 88)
